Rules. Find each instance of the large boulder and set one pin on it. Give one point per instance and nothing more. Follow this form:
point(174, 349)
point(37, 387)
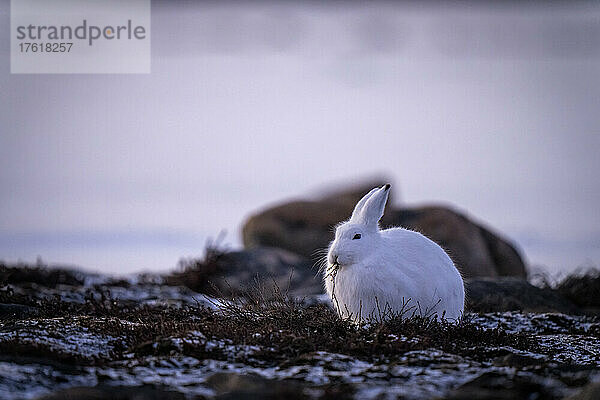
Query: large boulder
point(306, 227)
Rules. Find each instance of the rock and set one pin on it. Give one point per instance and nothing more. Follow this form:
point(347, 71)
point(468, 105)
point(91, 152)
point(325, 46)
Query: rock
point(512, 294)
point(496, 385)
point(238, 386)
point(236, 272)
point(306, 227)
point(103, 392)
point(303, 227)
point(17, 311)
point(589, 392)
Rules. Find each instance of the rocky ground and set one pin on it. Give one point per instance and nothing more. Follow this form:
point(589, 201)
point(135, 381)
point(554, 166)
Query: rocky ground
point(255, 324)
point(65, 334)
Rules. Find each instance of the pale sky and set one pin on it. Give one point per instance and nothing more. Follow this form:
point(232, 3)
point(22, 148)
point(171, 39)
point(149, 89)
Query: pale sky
point(493, 110)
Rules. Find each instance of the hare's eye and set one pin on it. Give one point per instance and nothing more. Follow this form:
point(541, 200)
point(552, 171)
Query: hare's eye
point(357, 236)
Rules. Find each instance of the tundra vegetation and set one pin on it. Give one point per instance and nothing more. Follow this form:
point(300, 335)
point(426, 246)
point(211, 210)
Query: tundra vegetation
point(66, 333)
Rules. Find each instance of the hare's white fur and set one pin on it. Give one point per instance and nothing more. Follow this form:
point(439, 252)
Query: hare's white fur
point(373, 273)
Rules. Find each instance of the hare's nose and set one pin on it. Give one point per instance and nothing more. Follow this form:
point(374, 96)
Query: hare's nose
point(335, 259)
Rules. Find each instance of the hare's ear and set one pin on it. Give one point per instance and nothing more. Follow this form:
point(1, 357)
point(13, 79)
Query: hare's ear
point(373, 208)
point(356, 214)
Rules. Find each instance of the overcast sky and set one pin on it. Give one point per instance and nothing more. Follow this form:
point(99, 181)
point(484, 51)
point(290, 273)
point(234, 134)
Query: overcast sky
point(494, 110)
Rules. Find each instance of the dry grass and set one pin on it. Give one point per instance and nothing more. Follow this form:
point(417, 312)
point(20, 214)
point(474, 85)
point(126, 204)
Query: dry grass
point(583, 290)
point(283, 328)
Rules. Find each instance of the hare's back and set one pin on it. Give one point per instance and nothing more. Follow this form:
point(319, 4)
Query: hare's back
point(417, 249)
point(427, 265)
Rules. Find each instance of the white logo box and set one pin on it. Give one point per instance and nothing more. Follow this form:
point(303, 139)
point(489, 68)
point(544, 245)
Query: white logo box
point(80, 36)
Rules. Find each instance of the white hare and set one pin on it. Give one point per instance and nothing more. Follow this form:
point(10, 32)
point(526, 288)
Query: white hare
point(373, 273)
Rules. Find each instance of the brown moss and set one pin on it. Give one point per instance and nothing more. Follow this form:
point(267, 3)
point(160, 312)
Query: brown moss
point(198, 274)
point(39, 275)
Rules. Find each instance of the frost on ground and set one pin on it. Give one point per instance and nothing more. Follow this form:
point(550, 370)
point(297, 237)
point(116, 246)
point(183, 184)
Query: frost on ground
point(139, 333)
